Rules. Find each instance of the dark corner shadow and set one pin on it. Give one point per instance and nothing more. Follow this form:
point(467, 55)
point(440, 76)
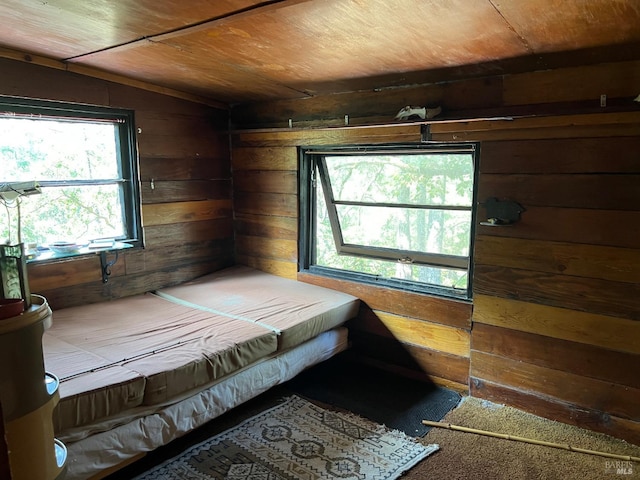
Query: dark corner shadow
point(377, 378)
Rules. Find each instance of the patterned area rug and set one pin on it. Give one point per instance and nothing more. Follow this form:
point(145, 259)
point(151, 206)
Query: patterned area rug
point(297, 440)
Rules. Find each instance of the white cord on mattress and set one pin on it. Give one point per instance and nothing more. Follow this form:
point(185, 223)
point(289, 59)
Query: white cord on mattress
point(185, 303)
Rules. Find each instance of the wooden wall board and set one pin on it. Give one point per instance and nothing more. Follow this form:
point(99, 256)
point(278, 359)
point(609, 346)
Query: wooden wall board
point(454, 313)
point(461, 388)
point(569, 126)
point(266, 181)
point(327, 136)
point(275, 249)
point(605, 396)
point(605, 192)
point(269, 226)
point(413, 331)
point(168, 191)
point(142, 99)
point(174, 145)
point(22, 79)
point(577, 358)
point(102, 75)
point(583, 327)
point(279, 204)
point(286, 269)
point(177, 212)
point(149, 260)
point(603, 297)
point(126, 285)
point(168, 235)
point(556, 409)
point(540, 127)
point(441, 367)
point(46, 276)
point(538, 133)
point(615, 228)
point(176, 168)
point(575, 259)
point(264, 158)
point(561, 156)
point(613, 80)
point(214, 124)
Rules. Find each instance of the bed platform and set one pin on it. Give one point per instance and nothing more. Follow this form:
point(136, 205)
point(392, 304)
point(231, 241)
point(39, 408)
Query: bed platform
point(138, 372)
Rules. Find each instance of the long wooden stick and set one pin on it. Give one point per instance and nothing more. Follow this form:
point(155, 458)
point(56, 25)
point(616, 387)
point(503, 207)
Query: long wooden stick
point(504, 436)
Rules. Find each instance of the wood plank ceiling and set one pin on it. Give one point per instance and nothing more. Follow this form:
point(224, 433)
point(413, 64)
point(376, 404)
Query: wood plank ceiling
point(238, 51)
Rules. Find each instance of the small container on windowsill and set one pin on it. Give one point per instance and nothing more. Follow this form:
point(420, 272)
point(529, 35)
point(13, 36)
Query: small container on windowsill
point(11, 307)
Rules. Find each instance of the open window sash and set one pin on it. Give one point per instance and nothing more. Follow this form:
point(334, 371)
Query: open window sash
point(381, 253)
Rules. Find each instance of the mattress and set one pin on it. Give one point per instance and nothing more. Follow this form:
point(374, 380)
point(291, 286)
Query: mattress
point(96, 448)
point(106, 391)
point(115, 359)
point(142, 350)
point(297, 311)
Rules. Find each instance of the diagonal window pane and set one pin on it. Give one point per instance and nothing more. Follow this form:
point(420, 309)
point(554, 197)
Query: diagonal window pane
point(434, 231)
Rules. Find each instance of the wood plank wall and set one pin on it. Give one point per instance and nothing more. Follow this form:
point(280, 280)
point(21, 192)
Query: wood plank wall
point(554, 327)
point(556, 296)
point(187, 217)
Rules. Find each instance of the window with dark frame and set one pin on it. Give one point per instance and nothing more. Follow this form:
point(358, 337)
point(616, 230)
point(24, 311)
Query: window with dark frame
point(84, 160)
point(400, 216)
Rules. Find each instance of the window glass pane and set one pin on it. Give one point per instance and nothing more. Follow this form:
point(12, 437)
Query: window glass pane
point(426, 230)
point(424, 179)
point(75, 214)
point(57, 150)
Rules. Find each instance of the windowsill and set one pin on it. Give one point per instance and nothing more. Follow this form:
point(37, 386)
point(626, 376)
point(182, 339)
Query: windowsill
point(409, 287)
point(46, 255)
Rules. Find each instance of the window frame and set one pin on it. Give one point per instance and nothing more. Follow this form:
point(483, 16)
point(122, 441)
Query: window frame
point(309, 157)
point(126, 151)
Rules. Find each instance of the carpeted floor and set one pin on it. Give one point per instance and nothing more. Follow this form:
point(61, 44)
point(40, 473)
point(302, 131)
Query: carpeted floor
point(466, 456)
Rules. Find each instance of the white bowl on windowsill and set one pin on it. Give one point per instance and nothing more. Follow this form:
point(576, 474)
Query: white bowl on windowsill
point(64, 247)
